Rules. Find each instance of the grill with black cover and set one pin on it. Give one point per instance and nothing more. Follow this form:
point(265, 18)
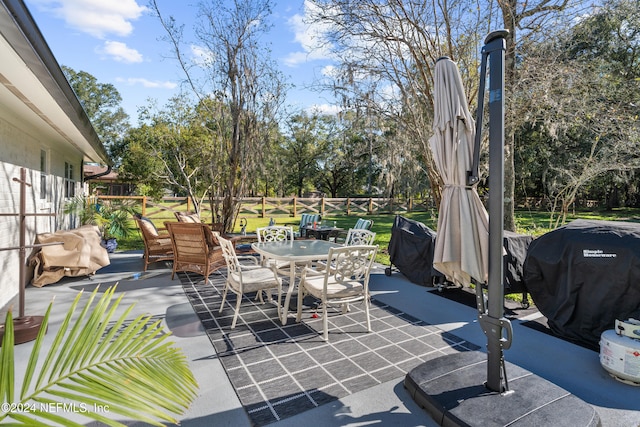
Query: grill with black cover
point(585, 275)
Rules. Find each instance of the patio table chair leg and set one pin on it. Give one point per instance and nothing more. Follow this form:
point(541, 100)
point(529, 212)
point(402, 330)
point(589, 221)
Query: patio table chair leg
point(366, 311)
point(235, 315)
point(268, 292)
point(299, 309)
point(224, 298)
point(325, 321)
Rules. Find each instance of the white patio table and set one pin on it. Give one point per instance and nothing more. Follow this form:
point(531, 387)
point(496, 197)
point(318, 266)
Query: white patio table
point(294, 251)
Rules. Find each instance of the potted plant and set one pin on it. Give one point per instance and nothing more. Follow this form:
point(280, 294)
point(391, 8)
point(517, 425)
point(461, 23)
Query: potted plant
point(110, 216)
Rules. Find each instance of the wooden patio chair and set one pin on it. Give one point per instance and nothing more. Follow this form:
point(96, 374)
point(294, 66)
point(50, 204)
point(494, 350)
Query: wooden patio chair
point(195, 248)
point(195, 218)
point(157, 242)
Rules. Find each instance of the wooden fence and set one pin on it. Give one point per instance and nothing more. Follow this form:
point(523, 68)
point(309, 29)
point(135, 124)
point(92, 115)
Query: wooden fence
point(264, 207)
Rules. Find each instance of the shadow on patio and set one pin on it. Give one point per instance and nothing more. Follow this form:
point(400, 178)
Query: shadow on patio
point(355, 378)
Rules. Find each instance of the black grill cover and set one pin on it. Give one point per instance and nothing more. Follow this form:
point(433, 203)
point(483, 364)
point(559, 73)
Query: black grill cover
point(411, 250)
point(516, 246)
point(412, 245)
point(584, 275)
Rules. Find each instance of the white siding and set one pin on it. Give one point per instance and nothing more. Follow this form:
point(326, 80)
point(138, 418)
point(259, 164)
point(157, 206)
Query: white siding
point(19, 148)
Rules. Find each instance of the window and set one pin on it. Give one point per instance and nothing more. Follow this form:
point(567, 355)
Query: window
point(43, 174)
point(69, 183)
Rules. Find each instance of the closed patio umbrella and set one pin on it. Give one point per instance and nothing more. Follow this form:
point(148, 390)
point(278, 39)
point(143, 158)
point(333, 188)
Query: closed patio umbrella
point(462, 244)
point(468, 246)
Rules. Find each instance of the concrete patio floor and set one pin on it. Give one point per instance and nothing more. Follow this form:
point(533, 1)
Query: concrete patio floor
point(571, 367)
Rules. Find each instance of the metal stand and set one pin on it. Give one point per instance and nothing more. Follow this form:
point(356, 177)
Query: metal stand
point(492, 318)
point(451, 387)
point(25, 327)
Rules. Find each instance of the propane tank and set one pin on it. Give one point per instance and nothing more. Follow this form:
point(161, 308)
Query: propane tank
point(620, 351)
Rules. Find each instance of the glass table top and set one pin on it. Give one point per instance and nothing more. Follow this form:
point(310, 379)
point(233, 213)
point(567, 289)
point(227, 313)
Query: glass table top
point(295, 249)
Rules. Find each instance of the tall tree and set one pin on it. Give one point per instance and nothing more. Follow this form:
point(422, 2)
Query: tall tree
point(170, 150)
point(236, 71)
point(530, 17)
point(305, 138)
point(387, 50)
point(351, 163)
point(398, 42)
point(101, 102)
point(583, 119)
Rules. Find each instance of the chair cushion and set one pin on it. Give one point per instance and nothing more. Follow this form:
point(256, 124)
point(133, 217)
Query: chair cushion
point(185, 217)
point(160, 246)
point(212, 241)
point(254, 279)
point(195, 218)
point(215, 255)
point(309, 219)
point(163, 241)
point(148, 226)
point(314, 285)
point(304, 220)
point(362, 224)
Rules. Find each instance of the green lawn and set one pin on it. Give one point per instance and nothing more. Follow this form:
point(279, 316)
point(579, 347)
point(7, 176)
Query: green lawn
point(535, 223)
point(531, 222)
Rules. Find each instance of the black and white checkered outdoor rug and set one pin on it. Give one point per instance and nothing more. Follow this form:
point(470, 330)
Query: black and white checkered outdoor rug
point(279, 371)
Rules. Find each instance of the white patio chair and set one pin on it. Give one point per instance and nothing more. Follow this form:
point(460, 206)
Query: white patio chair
point(243, 279)
point(359, 236)
point(354, 237)
point(361, 224)
point(275, 233)
point(346, 282)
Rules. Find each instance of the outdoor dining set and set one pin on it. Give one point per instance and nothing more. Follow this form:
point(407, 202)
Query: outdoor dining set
point(314, 260)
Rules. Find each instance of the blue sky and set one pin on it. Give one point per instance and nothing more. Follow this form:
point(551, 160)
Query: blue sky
point(118, 42)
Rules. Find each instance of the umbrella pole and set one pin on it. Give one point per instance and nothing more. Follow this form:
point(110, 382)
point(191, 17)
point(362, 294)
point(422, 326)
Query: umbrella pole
point(493, 322)
point(447, 386)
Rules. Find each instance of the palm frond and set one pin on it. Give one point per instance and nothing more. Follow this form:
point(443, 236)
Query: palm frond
point(33, 359)
point(7, 370)
point(127, 367)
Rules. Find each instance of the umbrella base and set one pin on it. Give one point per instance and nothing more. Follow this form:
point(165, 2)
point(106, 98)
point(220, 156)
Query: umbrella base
point(25, 329)
point(451, 389)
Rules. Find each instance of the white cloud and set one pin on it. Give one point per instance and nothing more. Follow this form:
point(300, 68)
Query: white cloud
point(309, 36)
point(295, 58)
point(202, 56)
point(329, 71)
point(121, 52)
point(328, 109)
point(98, 18)
point(156, 84)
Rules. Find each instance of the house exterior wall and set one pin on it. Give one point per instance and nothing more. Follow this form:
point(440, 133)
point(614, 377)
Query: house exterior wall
point(21, 146)
point(39, 113)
